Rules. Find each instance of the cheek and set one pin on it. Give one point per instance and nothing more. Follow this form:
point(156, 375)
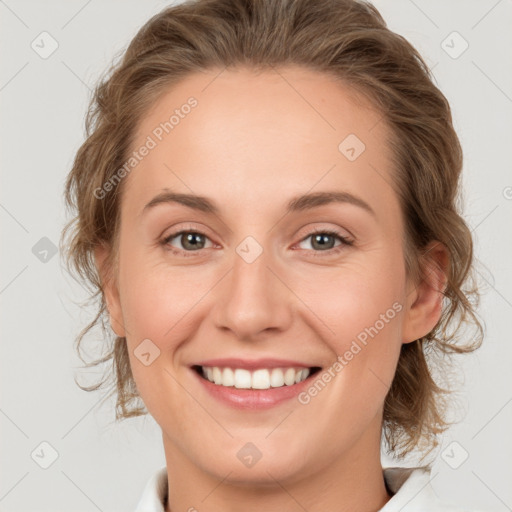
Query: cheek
point(157, 303)
point(361, 304)
point(363, 311)
point(356, 296)
point(165, 305)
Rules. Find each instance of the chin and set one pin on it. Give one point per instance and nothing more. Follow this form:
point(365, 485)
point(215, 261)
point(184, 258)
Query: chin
point(246, 467)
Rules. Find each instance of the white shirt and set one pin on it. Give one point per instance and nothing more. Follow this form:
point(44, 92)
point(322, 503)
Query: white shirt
point(411, 488)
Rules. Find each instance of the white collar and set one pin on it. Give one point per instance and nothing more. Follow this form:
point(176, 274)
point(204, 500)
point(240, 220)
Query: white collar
point(411, 488)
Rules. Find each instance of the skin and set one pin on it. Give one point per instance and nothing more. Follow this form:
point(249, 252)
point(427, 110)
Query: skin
point(252, 143)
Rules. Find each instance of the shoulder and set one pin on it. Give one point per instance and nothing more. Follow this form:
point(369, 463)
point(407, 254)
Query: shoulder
point(411, 488)
point(154, 496)
point(413, 492)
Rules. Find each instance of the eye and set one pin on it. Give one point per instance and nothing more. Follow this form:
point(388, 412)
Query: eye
point(190, 241)
point(193, 241)
point(322, 241)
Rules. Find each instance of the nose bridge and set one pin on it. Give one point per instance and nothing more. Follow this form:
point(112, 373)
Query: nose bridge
point(252, 298)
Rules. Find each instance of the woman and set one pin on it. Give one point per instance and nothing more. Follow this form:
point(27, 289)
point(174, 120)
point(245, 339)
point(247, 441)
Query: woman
point(266, 207)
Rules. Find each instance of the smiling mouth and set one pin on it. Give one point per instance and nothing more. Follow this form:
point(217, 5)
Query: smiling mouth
point(263, 378)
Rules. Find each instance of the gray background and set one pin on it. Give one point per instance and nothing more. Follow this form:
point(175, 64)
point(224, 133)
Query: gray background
point(103, 466)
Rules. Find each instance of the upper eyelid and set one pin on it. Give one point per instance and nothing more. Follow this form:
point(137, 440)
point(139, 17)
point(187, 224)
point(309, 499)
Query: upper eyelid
point(307, 231)
point(191, 225)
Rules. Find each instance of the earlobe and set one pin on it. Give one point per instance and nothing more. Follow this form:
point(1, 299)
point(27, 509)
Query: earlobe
point(424, 302)
point(110, 291)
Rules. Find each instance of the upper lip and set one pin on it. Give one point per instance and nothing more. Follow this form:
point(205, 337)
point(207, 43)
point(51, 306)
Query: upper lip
point(253, 364)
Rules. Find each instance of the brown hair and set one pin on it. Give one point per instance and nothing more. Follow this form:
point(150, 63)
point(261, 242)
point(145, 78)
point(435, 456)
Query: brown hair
point(349, 40)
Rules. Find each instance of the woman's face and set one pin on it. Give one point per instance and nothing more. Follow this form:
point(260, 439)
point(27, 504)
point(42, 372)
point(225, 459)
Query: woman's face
point(291, 259)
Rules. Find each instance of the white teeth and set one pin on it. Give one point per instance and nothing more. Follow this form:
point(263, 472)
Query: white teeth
point(242, 379)
point(277, 378)
point(217, 375)
point(258, 379)
point(228, 377)
point(261, 379)
point(289, 376)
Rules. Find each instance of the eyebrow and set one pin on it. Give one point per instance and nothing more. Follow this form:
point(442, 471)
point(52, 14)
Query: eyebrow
point(296, 204)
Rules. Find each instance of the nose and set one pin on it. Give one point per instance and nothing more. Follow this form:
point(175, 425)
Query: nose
point(253, 299)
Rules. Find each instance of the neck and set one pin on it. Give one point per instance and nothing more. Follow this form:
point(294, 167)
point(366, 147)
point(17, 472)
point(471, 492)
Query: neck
point(352, 482)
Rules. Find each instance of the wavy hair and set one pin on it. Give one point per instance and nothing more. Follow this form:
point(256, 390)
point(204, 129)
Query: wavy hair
point(349, 40)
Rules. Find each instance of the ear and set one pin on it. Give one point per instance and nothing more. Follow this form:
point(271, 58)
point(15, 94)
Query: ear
point(110, 291)
point(425, 299)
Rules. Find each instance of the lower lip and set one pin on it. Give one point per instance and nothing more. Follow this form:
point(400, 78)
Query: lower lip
point(252, 398)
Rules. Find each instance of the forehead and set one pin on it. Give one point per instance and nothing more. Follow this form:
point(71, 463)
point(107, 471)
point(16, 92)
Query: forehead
point(244, 136)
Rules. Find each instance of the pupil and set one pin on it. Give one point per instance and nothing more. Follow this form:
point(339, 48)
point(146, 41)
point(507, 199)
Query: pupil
point(191, 239)
point(321, 240)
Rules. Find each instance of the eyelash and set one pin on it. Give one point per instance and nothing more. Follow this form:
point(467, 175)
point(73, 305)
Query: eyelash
point(329, 252)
